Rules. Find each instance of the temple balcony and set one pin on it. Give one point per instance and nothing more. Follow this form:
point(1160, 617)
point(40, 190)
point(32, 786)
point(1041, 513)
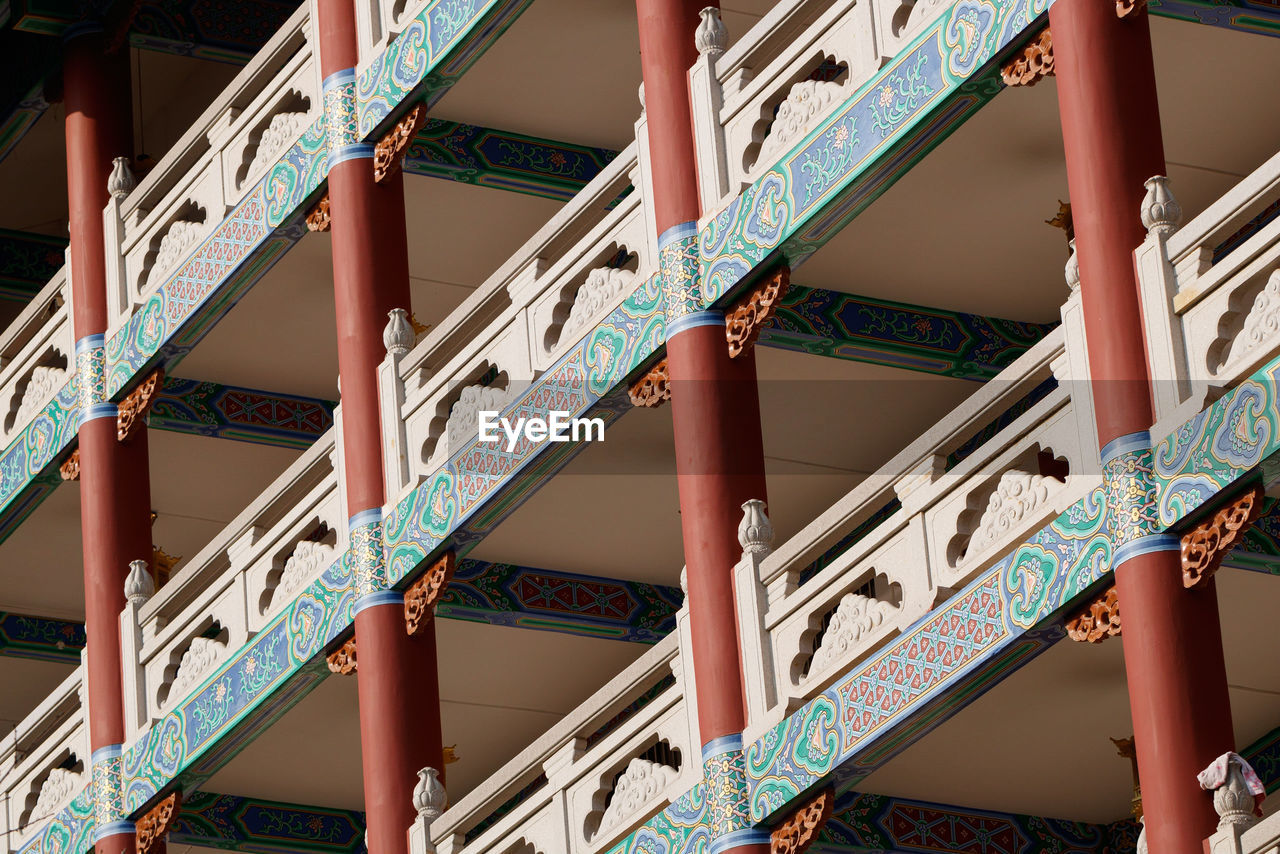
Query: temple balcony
point(901, 478)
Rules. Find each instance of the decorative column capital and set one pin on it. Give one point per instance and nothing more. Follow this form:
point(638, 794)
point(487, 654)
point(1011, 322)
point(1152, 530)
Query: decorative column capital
point(1161, 213)
point(801, 828)
point(1206, 545)
point(318, 216)
point(755, 531)
point(139, 586)
point(421, 598)
point(711, 37)
point(342, 660)
point(398, 336)
point(1099, 620)
point(1236, 789)
point(1031, 64)
point(122, 181)
point(743, 322)
point(388, 154)
point(653, 389)
point(153, 826)
point(429, 796)
point(1072, 271)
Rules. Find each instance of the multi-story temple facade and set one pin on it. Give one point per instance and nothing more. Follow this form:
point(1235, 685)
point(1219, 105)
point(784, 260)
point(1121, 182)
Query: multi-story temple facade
point(865, 440)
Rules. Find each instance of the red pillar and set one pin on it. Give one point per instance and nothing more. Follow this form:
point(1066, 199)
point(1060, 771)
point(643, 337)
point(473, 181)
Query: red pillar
point(115, 496)
point(714, 401)
point(1172, 641)
point(398, 685)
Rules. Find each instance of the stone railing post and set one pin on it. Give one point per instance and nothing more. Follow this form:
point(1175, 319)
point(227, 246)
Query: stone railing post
point(1236, 791)
point(1157, 283)
point(399, 338)
point(706, 99)
point(139, 587)
point(429, 801)
point(755, 535)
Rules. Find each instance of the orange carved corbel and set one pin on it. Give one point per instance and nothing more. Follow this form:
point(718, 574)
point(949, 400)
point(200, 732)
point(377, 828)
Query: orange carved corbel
point(421, 598)
point(388, 154)
point(743, 322)
point(70, 470)
point(152, 827)
point(1099, 620)
point(133, 409)
point(798, 832)
point(1031, 64)
point(1205, 545)
point(654, 388)
point(342, 660)
point(1125, 8)
point(318, 216)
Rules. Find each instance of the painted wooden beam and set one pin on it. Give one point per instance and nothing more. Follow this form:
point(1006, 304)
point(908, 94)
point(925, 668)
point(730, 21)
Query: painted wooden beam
point(244, 414)
point(503, 160)
point(588, 606)
point(27, 261)
point(40, 638)
point(898, 335)
point(255, 826)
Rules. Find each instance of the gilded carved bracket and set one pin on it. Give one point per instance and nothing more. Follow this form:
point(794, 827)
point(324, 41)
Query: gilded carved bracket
point(133, 409)
point(318, 216)
point(743, 322)
point(153, 826)
point(421, 598)
point(654, 388)
point(342, 660)
point(1205, 545)
point(1125, 8)
point(798, 832)
point(1099, 620)
point(1031, 64)
point(388, 154)
point(70, 470)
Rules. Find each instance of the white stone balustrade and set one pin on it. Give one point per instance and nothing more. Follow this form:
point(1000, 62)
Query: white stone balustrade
point(1210, 294)
point(37, 355)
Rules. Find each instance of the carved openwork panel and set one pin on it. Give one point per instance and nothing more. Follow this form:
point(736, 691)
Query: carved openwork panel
point(1205, 545)
point(1099, 620)
point(153, 826)
point(421, 598)
point(743, 322)
point(798, 832)
point(132, 413)
point(318, 216)
point(70, 469)
point(1031, 64)
point(653, 389)
point(388, 153)
point(342, 660)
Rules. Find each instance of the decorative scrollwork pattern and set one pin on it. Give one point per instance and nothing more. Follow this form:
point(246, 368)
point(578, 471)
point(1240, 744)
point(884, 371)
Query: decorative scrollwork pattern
point(1205, 545)
point(1097, 622)
point(421, 598)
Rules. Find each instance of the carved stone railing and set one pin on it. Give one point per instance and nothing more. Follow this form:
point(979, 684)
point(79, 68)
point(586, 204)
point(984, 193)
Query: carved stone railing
point(222, 596)
point(998, 468)
point(153, 228)
point(44, 761)
point(621, 756)
point(1210, 291)
point(755, 100)
point(565, 279)
point(37, 355)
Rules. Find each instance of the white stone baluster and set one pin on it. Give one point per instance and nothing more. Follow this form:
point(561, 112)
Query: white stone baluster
point(138, 590)
point(755, 536)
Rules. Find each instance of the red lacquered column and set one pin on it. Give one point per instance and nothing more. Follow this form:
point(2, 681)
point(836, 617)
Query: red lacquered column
point(115, 494)
point(1172, 639)
point(399, 692)
point(714, 403)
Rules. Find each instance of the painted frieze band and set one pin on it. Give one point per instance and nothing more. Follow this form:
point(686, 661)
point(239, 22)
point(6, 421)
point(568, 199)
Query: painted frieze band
point(91, 368)
point(1127, 475)
point(728, 815)
point(341, 118)
point(678, 268)
point(109, 815)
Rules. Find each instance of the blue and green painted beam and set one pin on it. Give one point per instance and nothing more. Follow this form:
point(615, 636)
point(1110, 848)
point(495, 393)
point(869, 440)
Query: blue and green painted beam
point(244, 414)
point(27, 262)
point(40, 638)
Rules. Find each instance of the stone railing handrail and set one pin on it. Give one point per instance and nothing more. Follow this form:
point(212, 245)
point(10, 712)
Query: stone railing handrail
point(578, 215)
point(232, 583)
point(988, 402)
point(34, 316)
point(42, 742)
point(568, 740)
